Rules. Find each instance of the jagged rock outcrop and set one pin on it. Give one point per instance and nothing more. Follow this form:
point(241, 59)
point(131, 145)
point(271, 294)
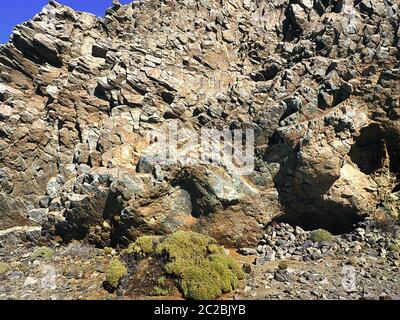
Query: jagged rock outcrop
point(318, 81)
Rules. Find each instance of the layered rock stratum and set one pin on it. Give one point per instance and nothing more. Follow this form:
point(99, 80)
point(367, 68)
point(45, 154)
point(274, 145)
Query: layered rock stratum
point(318, 81)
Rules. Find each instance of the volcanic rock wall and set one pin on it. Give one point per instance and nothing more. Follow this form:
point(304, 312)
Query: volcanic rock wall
point(318, 81)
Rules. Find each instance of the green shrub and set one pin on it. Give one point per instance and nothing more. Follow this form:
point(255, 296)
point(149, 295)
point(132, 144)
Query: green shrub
point(44, 253)
point(283, 265)
point(162, 288)
point(133, 248)
point(394, 247)
point(147, 243)
point(352, 261)
point(108, 250)
point(115, 272)
point(201, 282)
point(199, 265)
point(203, 269)
point(160, 292)
point(183, 244)
point(4, 267)
point(161, 281)
point(321, 235)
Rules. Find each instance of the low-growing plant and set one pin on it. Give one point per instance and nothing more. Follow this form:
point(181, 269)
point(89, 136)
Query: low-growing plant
point(161, 281)
point(200, 267)
point(147, 243)
point(352, 261)
point(163, 288)
point(283, 265)
point(160, 291)
point(4, 267)
point(203, 269)
point(108, 250)
point(115, 272)
point(321, 235)
point(44, 253)
point(394, 247)
point(132, 248)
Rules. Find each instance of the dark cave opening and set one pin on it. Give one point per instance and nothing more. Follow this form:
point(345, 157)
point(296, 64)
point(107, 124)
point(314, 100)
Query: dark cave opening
point(305, 205)
point(339, 221)
point(369, 151)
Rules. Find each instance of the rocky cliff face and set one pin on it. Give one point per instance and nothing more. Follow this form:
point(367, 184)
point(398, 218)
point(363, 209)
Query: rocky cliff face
point(318, 81)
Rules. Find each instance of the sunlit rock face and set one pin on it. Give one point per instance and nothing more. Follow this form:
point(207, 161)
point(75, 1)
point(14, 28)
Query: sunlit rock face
point(317, 81)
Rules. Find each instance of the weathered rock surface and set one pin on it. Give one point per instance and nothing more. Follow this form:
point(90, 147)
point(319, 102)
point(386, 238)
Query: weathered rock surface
point(318, 81)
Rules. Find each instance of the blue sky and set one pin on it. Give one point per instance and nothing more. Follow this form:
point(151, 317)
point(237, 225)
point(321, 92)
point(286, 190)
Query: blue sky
point(13, 12)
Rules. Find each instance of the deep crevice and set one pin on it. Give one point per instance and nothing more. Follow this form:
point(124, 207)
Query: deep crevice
point(291, 30)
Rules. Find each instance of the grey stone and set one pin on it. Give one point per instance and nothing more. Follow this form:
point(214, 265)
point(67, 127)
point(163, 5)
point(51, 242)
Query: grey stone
point(248, 251)
point(38, 215)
